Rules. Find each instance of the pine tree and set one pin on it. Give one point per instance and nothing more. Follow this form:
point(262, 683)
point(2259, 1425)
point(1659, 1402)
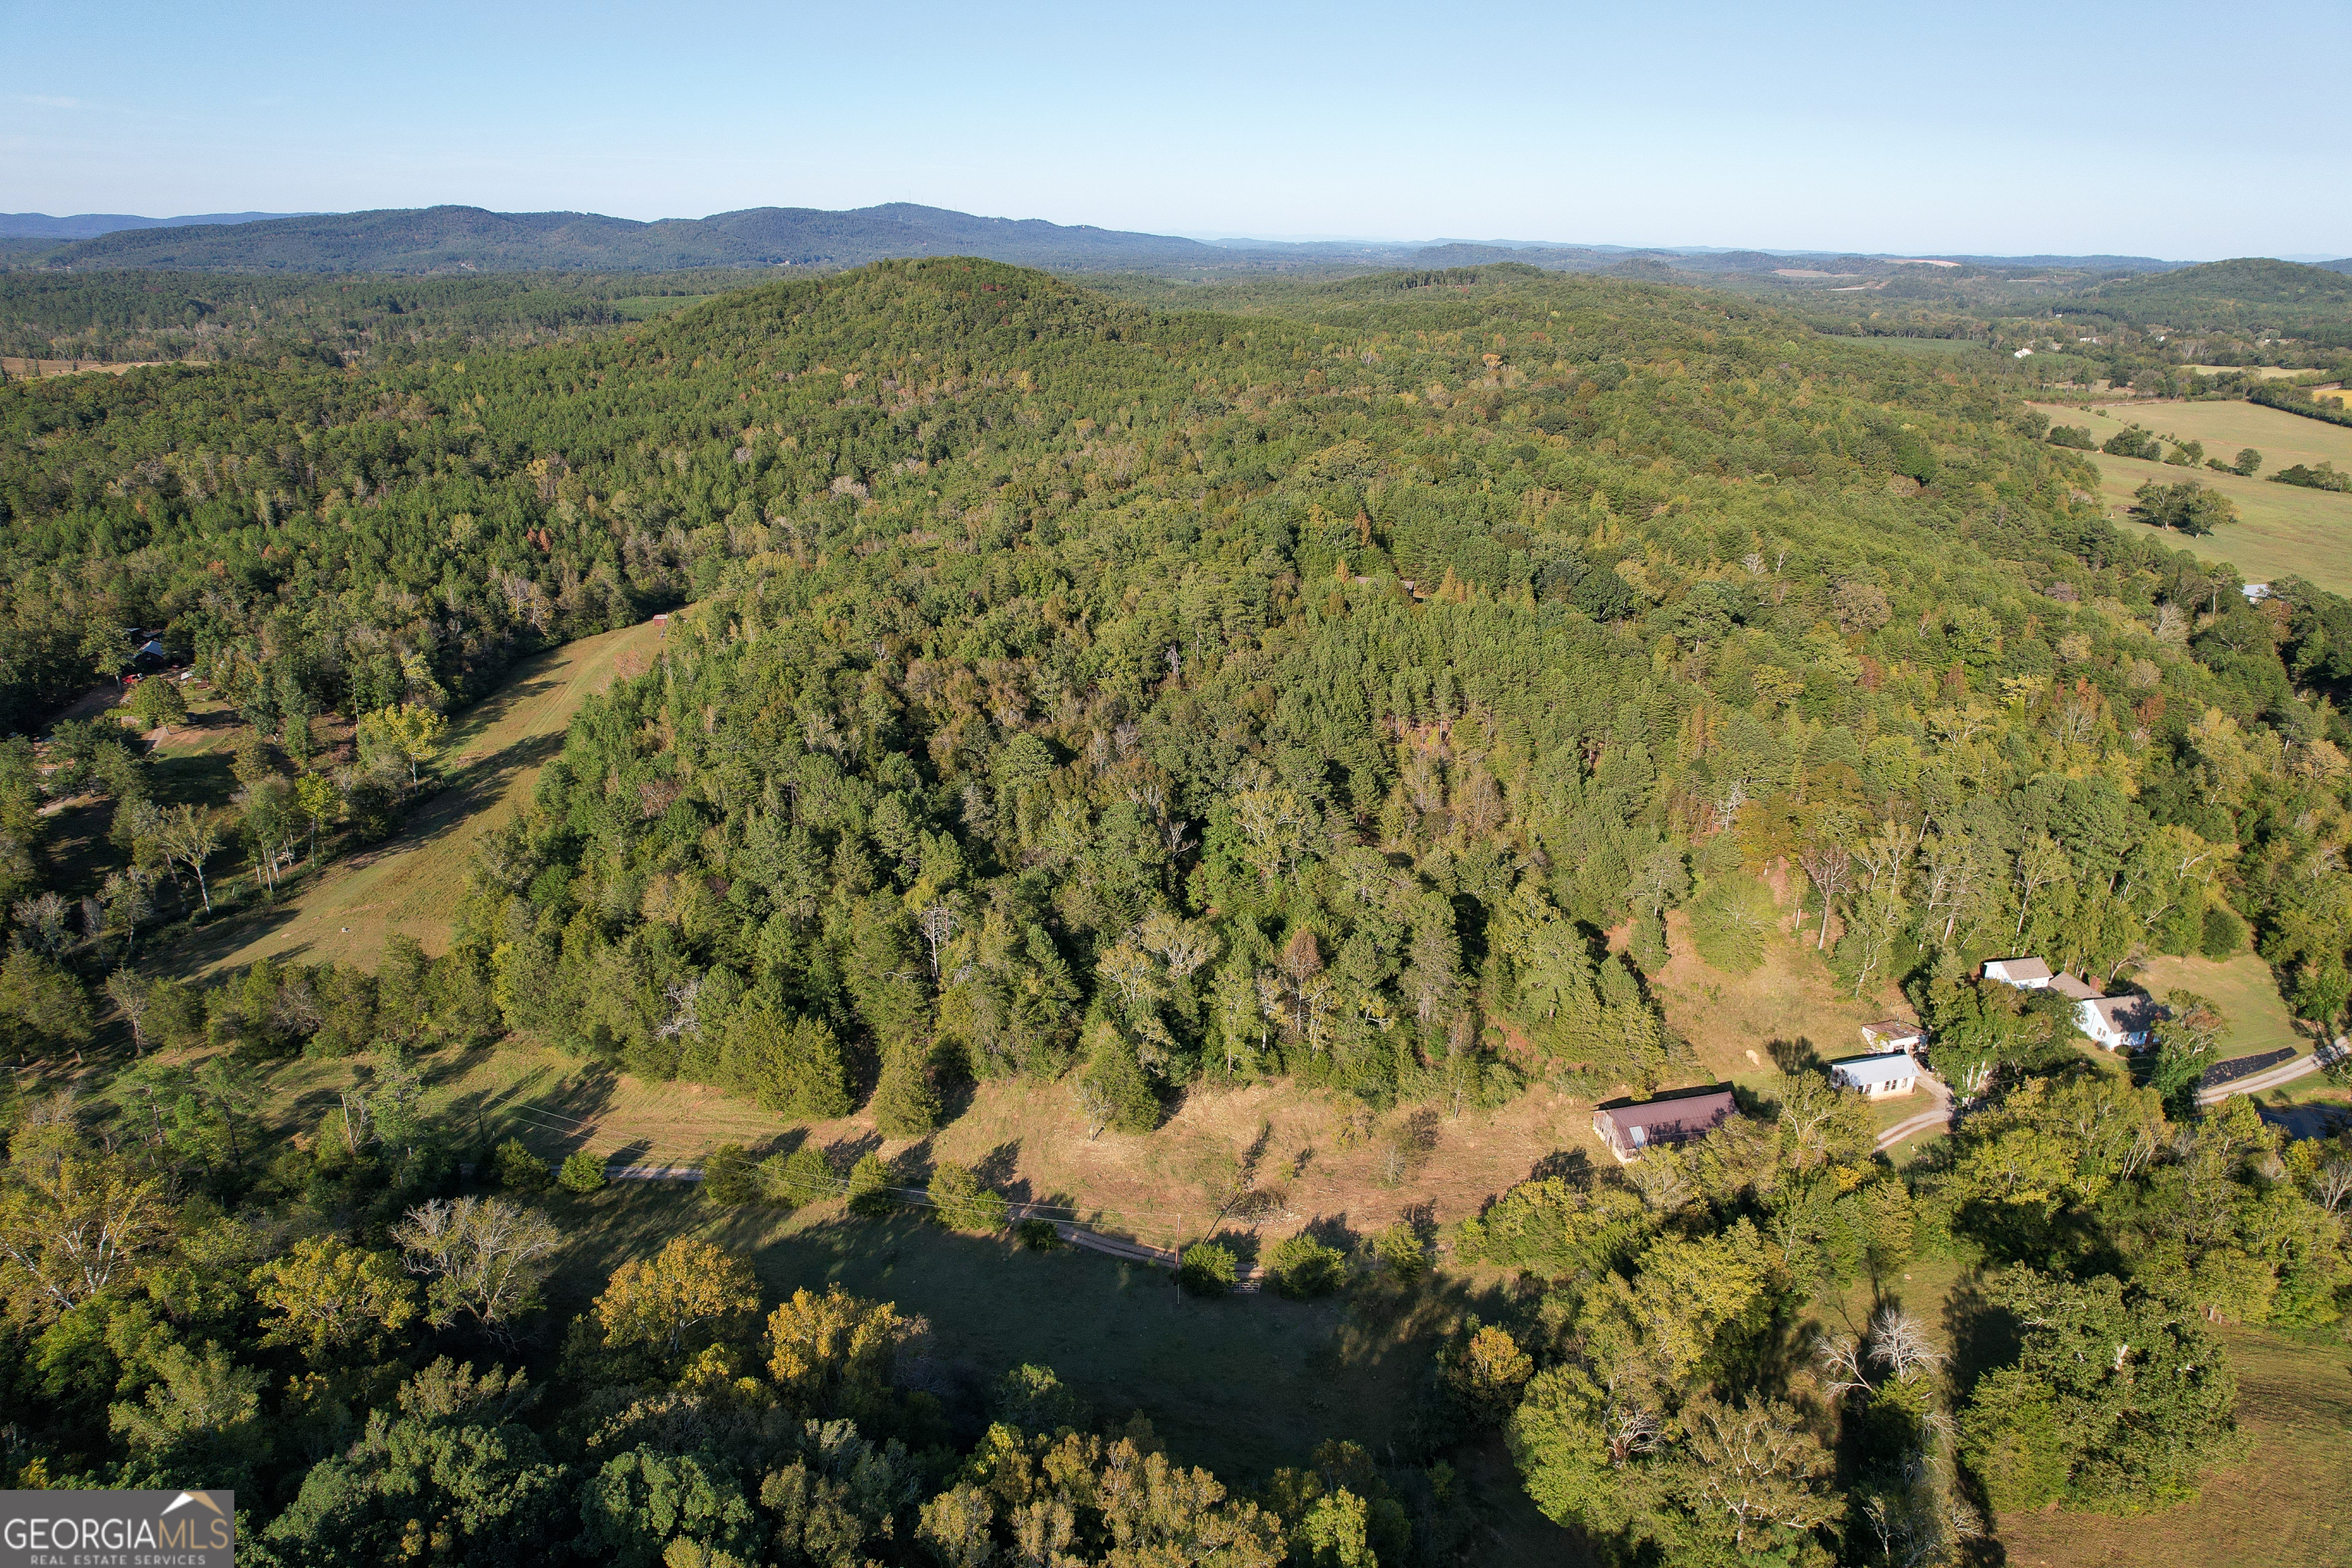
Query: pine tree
point(905, 1104)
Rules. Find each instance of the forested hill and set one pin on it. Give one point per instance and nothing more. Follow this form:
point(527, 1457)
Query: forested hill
point(1124, 703)
point(444, 239)
point(2241, 293)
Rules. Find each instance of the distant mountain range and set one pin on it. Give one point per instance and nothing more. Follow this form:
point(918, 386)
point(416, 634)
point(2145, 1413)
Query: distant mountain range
point(90, 225)
point(463, 239)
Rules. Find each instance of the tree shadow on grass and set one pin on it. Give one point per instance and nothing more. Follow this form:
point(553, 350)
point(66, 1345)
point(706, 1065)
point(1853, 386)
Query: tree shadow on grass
point(1241, 1385)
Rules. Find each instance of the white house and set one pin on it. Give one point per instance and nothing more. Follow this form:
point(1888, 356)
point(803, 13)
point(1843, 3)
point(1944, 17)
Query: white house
point(2075, 989)
point(1893, 1034)
point(1879, 1075)
point(2256, 592)
point(2025, 973)
point(2118, 1021)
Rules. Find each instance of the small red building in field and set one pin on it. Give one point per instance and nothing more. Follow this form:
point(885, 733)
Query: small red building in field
point(1631, 1126)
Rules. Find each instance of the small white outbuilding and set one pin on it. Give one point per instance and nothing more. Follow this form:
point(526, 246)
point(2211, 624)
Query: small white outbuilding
point(1879, 1075)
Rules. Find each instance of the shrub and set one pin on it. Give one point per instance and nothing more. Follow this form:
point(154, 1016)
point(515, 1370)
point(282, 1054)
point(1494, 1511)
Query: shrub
point(2075, 435)
point(1113, 1090)
point(804, 1177)
point(582, 1173)
point(519, 1169)
point(905, 1104)
point(1303, 1267)
point(960, 1203)
point(2326, 477)
point(1207, 1270)
point(1399, 1251)
point(1038, 1235)
point(727, 1178)
point(869, 1187)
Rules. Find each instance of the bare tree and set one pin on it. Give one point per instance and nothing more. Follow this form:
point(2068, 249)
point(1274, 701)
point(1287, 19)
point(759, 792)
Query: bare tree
point(129, 993)
point(1839, 1358)
point(190, 837)
point(1899, 1343)
point(483, 1255)
point(937, 924)
point(1659, 1177)
point(1829, 866)
point(2332, 1187)
point(681, 995)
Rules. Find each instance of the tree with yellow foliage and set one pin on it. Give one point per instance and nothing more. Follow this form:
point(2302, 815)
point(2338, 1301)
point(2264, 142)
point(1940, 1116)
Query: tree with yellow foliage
point(659, 1302)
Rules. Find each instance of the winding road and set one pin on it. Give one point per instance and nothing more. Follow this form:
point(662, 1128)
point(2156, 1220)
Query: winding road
point(2286, 1072)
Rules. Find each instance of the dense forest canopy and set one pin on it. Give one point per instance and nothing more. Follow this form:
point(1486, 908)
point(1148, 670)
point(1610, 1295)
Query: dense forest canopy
point(1136, 702)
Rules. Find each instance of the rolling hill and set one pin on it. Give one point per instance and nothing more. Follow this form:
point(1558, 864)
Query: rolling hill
point(444, 239)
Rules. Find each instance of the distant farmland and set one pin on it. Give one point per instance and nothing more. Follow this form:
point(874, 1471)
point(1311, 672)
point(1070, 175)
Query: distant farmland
point(2282, 529)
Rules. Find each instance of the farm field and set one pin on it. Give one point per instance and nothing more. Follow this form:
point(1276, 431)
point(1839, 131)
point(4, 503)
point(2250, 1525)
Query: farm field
point(492, 757)
point(2262, 372)
point(2282, 438)
point(2281, 529)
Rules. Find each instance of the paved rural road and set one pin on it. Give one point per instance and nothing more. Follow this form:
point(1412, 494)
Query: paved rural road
point(2286, 1072)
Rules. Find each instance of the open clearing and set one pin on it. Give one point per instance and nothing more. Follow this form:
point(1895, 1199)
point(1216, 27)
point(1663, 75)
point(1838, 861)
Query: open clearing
point(410, 884)
point(1920, 348)
point(2256, 1018)
point(1322, 1160)
point(1733, 1021)
point(2282, 530)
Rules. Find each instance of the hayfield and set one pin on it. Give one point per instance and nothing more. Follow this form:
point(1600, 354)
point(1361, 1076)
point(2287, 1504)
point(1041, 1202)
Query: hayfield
point(491, 759)
point(2282, 438)
point(2282, 530)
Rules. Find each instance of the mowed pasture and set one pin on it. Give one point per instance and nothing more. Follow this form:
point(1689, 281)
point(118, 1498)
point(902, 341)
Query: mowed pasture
point(2282, 1503)
point(490, 762)
point(2282, 530)
point(2254, 1015)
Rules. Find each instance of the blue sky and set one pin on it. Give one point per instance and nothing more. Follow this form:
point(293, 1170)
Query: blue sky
point(2146, 129)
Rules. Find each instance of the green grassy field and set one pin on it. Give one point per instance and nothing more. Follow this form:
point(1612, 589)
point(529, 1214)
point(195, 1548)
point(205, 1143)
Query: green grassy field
point(2282, 530)
point(491, 762)
point(2283, 1504)
point(2256, 1017)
